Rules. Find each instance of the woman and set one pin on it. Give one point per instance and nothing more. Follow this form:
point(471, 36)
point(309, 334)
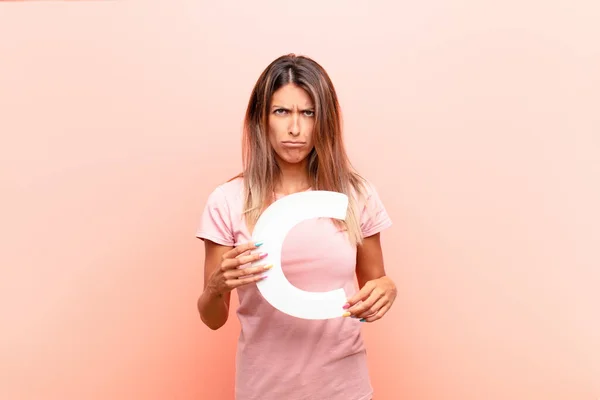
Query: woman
point(293, 142)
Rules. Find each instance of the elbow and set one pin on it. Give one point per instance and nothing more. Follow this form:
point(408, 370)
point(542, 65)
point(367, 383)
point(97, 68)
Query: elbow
point(213, 325)
point(214, 317)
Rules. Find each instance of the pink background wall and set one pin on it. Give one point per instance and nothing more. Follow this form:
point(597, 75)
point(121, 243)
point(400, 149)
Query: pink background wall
point(479, 124)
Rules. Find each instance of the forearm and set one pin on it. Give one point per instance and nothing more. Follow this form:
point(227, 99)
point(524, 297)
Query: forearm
point(369, 260)
point(363, 279)
point(213, 309)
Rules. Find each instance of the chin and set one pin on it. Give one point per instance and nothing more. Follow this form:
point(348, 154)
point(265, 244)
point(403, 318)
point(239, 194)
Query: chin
point(293, 160)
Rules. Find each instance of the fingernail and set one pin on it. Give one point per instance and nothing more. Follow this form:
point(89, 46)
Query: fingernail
point(258, 244)
point(346, 314)
point(346, 306)
point(362, 320)
point(262, 255)
point(268, 266)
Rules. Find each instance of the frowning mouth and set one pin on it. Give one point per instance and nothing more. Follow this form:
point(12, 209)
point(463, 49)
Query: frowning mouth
point(292, 144)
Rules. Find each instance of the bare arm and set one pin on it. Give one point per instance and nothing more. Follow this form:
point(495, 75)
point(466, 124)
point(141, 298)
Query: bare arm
point(213, 306)
point(369, 260)
point(222, 273)
point(377, 291)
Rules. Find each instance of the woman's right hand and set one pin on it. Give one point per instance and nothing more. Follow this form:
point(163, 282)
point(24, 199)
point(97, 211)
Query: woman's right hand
point(229, 275)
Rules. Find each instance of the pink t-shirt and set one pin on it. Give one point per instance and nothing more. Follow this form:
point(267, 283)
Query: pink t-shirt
point(280, 357)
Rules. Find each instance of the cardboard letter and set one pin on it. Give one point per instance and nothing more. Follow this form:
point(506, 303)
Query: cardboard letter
point(271, 229)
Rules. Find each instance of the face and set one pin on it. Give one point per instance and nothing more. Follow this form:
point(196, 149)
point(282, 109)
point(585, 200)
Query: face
point(291, 123)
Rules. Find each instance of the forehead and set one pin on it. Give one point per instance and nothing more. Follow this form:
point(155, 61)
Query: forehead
point(291, 94)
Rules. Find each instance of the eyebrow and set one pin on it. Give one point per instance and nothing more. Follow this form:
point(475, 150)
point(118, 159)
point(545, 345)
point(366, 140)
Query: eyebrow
point(311, 107)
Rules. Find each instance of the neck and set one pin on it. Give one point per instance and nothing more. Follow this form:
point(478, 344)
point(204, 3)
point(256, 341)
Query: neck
point(293, 178)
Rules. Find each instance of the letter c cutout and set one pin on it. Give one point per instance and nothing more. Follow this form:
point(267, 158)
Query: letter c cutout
point(272, 227)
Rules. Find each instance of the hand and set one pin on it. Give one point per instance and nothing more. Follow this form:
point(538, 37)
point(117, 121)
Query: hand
point(372, 301)
point(229, 276)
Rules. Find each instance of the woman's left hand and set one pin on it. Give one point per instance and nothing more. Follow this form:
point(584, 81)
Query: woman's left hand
point(372, 301)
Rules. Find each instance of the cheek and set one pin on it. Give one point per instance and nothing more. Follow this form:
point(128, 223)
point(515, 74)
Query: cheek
point(272, 134)
point(276, 128)
point(310, 132)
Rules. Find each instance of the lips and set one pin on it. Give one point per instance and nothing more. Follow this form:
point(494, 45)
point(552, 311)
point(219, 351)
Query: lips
point(293, 145)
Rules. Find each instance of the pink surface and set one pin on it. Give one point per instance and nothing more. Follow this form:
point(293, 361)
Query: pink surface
point(477, 121)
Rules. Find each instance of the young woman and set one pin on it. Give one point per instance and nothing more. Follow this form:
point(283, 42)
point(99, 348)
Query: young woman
point(293, 142)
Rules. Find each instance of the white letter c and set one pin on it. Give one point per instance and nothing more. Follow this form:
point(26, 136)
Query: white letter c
point(272, 227)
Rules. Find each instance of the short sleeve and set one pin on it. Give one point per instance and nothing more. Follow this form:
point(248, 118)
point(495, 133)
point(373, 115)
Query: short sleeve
point(374, 217)
point(215, 223)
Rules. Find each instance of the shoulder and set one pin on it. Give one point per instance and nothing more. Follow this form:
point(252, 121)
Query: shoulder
point(373, 214)
point(232, 188)
point(369, 187)
point(229, 192)
point(363, 190)
point(227, 197)
point(221, 213)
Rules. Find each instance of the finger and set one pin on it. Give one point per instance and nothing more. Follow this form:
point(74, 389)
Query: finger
point(235, 283)
point(377, 315)
point(241, 249)
point(250, 258)
point(361, 295)
point(366, 304)
point(232, 263)
point(244, 272)
point(373, 309)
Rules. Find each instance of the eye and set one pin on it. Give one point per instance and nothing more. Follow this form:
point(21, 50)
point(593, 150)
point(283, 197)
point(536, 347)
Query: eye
point(309, 113)
point(280, 111)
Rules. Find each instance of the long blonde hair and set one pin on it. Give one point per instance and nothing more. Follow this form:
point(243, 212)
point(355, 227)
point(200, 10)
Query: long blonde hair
point(328, 165)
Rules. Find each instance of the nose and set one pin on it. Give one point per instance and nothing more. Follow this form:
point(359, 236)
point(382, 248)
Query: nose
point(294, 128)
